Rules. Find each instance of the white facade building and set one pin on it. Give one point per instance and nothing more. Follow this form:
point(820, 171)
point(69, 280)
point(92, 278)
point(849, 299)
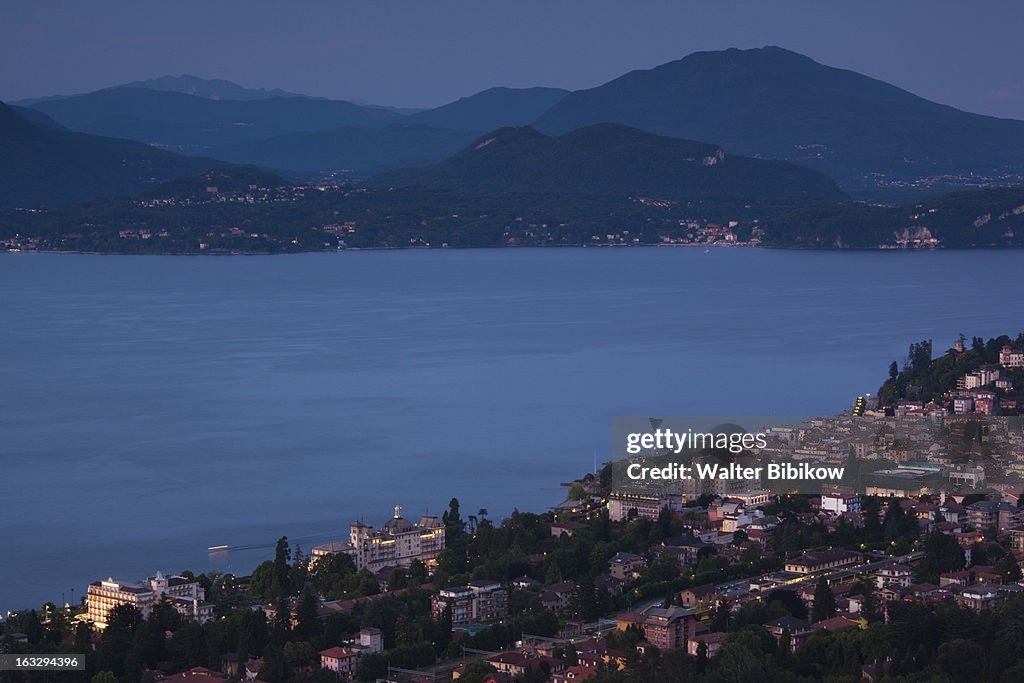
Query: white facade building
point(1011, 358)
point(398, 543)
point(184, 594)
point(839, 503)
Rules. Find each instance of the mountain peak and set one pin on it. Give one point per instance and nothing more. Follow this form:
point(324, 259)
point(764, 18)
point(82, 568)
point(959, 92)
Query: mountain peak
point(775, 103)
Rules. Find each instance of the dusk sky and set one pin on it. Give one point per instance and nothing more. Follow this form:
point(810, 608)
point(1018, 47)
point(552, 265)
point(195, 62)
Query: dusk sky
point(427, 52)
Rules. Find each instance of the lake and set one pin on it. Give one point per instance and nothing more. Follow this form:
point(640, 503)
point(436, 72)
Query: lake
point(152, 406)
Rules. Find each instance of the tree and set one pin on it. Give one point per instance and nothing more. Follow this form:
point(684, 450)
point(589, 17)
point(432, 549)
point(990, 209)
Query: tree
point(282, 617)
point(942, 554)
point(583, 602)
point(1007, 567)
point(299, 653)
point(299, 570)
point(83, 637)
point(475, 672)
point(920, 357)
point(405, 633)
point(960, 659)
point(263, 581)
point(440, 630)
point(417, 573)
point(32, 626)
point(785, 651)
point(122, 623)
point(397, 579)
point(371, 667)
point(308, 623)
point(553, 573)
point(454, 529)
point(869, 599)
point(702, 656)
point(282, 568)
point(979, 554)
point(790, 600)
point(742, 657)
point(872, 525)
point(824, 602)
point(894, 370)
point(275, 666)
point(894, 525)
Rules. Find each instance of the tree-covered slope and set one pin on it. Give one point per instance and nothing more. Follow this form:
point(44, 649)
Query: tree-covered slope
point(43, 165)
point(609, 159)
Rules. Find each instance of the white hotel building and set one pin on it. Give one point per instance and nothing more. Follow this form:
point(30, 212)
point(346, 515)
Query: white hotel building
point(398, 543)
point(185, 595)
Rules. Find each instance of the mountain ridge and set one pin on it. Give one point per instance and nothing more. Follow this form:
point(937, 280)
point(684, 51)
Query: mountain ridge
point(614, 159)
point(775, 103)
point(209, 88)
point(492, 108)
point(45, 166)
point(194, 124)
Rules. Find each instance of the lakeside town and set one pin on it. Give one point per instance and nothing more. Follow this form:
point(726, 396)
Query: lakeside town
point(250, 212)
point(338, 216)
point(912, 573)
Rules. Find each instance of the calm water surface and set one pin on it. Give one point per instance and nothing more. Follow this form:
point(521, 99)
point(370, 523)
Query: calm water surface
point(153, 406)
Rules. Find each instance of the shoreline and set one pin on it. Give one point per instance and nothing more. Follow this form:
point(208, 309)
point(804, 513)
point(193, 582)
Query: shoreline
point(767, 247)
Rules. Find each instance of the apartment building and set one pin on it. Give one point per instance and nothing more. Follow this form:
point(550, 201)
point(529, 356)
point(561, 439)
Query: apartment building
point(479, 602)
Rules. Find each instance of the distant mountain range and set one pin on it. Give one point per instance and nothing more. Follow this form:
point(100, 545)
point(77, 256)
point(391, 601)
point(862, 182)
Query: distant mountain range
point(876, 141)
point(609, 159)
point(210, 88)
point(774, 103)
point(191, 124)
point(186, 84)
point(278, 130)
point(44, 165)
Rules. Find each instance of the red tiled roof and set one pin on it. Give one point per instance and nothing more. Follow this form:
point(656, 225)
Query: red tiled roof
point(578, 673)
point(836, 623)
point(198, 674)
